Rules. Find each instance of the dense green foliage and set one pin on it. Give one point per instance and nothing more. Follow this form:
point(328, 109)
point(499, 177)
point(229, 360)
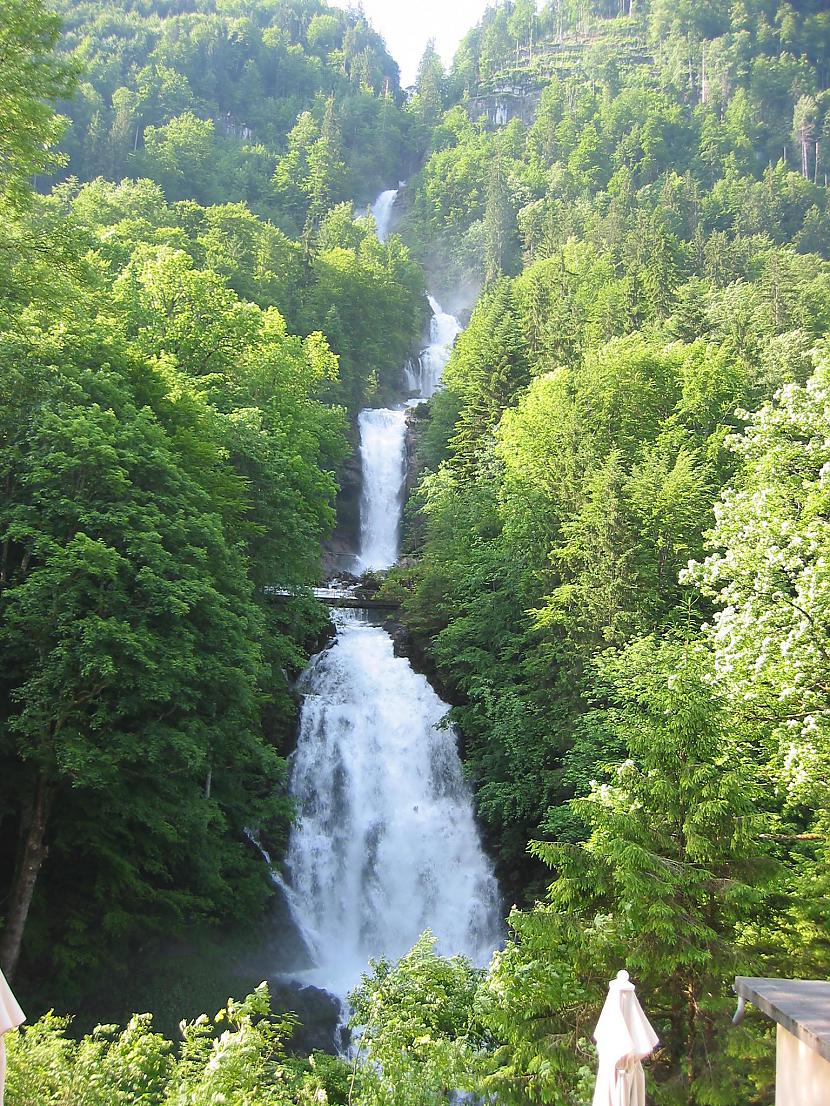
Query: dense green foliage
point(682, 124)
point(30, 77)
point(156, 468)
point(641, 388)
point(618, 544)
point(237, 1058)
point(265, 102)
point(582, 440)
point(417, 1033)
point(168, 447)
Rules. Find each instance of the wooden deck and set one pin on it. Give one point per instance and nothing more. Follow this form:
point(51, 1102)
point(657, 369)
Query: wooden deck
point(335, 597)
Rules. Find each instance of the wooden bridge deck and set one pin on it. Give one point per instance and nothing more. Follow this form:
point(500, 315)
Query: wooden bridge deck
point(335, 597)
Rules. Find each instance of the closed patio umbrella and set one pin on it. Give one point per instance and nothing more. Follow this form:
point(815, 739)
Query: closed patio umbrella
point(11, 1016)
point(624, 1038)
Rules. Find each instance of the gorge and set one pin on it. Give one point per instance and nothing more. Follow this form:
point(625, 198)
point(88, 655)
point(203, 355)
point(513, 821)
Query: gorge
point(385, 846)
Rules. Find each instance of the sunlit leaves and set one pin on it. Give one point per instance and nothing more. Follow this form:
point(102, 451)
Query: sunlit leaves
point(30, 77)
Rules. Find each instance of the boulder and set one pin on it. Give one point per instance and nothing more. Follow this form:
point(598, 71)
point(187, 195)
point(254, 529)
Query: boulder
point(321, 1016)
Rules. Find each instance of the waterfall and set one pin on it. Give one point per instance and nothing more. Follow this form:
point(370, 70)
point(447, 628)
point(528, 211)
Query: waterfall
point(383, 448)
point(385, 845)
point(443, 330)
point(412, 377)
point(382, 211)
point(383, 463)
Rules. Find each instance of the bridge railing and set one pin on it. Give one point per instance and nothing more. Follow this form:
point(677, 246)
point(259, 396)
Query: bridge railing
point(332, 597)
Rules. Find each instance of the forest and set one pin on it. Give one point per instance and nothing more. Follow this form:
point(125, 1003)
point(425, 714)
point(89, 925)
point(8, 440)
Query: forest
point(616, 549)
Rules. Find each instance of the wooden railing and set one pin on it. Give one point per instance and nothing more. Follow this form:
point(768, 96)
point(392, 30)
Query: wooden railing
point(334, 597)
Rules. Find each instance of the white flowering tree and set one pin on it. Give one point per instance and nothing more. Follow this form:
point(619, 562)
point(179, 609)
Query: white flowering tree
point(769, 574)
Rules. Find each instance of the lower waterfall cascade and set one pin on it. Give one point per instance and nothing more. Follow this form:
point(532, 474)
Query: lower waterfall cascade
point(385, 845)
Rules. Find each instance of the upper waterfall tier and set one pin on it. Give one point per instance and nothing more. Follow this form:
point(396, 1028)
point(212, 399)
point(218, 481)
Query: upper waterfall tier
point(382, 211)
point(386, 845)
point(383, 451)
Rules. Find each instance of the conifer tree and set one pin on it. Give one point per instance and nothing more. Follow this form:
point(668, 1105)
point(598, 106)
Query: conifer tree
point(499, 222)
point(669, 878)
point(324, 180)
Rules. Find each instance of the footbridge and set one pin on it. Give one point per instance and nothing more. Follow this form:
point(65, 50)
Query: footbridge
point(334, 597)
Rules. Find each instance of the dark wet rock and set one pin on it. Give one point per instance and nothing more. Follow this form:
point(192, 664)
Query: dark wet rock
point(343, 579)
point(401, 639)
point(417, 421)
point(320, 1014)
point(320, 641)
point(340, 550)
point(412, 535)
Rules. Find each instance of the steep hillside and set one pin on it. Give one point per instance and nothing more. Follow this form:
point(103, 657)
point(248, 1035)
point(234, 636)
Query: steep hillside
point(620, 580)
point(210, 99)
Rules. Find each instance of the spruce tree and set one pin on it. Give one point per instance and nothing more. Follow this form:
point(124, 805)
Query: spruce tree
point(667, 884)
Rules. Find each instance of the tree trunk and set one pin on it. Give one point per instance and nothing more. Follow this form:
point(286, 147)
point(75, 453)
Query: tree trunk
point(31, 855)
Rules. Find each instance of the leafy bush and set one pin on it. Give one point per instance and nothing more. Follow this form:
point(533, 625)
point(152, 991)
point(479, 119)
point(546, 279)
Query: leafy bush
point(237, 1058)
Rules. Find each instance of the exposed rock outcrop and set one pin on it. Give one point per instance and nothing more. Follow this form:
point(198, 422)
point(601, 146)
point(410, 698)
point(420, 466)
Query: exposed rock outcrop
point(501, 107)
point(320, 1013)
point(340, 550)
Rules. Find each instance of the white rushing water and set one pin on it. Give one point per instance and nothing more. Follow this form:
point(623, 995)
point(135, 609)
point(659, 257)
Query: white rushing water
point(386, 843)
point(383, 448)
point(443, 331)
point(383, 464)
point(382, 211)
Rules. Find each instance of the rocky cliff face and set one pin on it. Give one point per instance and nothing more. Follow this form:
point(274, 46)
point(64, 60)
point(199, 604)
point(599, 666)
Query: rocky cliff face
point(417, 420)
point(341, 548)
point(502, 106)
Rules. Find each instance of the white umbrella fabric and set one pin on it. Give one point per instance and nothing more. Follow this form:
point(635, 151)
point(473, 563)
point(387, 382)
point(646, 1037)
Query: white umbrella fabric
point(624, 1038)
point(11, 1016)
